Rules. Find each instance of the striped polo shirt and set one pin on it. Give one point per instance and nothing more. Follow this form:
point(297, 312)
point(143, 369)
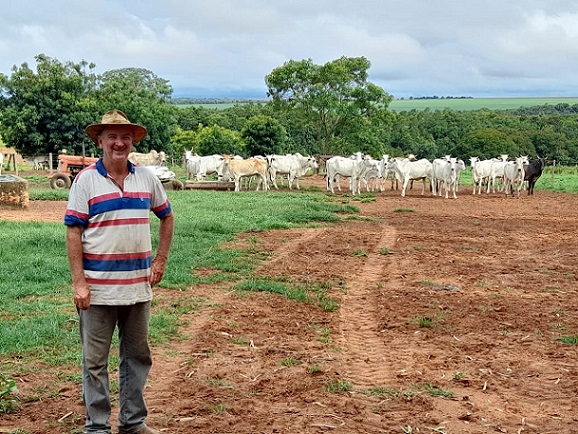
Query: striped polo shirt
point(116, 241)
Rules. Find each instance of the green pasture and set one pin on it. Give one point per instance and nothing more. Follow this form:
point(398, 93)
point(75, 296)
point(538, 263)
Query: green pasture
point(458, 104)
point(465, 104)
point(37, 317)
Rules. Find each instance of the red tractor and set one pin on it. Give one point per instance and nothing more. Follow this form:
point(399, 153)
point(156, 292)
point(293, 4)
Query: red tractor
point(68, 168)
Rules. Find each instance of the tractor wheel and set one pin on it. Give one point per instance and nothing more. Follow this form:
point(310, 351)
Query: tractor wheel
point(60, 181)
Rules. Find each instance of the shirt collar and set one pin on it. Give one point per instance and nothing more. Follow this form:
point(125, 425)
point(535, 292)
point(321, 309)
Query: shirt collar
point(103, 172)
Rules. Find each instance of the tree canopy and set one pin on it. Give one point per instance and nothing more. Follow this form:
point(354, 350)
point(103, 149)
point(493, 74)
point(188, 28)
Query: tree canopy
point(332, 96)
point(47, 110)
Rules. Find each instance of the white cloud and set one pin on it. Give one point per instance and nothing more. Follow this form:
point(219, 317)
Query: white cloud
point(416, 47)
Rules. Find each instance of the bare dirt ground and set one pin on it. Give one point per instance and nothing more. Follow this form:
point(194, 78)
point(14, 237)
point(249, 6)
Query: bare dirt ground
point(448, 322)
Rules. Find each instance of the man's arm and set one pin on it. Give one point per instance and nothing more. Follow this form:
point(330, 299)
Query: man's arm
point(159, 264)
point(74, 248)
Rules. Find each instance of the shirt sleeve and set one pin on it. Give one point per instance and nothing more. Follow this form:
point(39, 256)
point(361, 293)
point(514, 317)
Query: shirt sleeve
point(77, 209)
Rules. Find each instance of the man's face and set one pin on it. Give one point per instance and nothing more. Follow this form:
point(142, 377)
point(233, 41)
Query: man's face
point(116, 142)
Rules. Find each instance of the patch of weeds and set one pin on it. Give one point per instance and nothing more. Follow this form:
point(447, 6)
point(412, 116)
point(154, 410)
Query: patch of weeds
point(477, 223)
point(433, 390)
point(290, 361)
point(418, 248)
point(240, 341)
point(379, 285)
point(218, 408)
point(426, 322)
point(570, 276)
point(429, 321)
point(253, 244)
point(482, 283)
point(558, 312)
point(381, 391)
point(385, 251)
point(505, 332)
point(546, 271)
point(219, 382)
point(232, 324)
point(458, 376)
point(338, 385)
point(312, 293)
point(427, 283)
point(325, 334)
point(470, 249)
point(8, 403)
point(558, 326)
point(568, 340)
point(359, 252)
point(315, 369)
point(403, 210)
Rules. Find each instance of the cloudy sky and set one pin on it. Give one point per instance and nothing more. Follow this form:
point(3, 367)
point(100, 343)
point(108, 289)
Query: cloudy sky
point(224, 48)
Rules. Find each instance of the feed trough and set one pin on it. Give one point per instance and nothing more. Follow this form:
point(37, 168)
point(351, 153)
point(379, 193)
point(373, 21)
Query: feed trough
point(210, 185)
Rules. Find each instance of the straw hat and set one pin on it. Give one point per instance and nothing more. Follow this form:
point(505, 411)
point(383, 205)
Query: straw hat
point(112, 118)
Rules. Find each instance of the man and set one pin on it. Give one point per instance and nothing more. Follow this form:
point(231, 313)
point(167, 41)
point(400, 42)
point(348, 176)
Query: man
point(113, 272)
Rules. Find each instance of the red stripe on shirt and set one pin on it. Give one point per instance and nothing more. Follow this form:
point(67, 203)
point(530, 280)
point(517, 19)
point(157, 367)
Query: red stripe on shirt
point(120, 222)
point(117, 256)
point(96, 281)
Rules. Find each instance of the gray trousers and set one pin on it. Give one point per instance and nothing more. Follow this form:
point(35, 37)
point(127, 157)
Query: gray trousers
point(97, 325)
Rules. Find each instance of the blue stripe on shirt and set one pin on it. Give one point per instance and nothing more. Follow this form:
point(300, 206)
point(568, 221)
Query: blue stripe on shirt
point(70, 220)
point(119, 203)
point(117, 265)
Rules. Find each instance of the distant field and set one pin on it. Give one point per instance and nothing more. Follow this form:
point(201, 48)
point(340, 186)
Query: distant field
point(476, 103)
point(452, 103)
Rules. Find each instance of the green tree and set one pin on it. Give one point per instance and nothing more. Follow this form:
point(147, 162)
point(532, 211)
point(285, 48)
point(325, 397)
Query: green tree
point(486, 143)
point(263, 135)
point(331, 96)
point(218, 140)
point(182, 141)
point(144, 98)
point(45, 110)
point(189, 118)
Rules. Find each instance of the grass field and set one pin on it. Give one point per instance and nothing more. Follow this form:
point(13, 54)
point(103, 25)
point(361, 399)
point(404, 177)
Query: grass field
point(452, 103)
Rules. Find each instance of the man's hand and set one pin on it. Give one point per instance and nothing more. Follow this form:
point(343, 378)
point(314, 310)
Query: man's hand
point(157, 270)
point(82, 296)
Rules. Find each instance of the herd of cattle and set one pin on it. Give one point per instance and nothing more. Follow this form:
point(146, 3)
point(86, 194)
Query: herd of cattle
point(443, 174)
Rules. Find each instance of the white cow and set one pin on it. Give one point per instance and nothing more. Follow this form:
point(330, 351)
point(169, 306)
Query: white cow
point(498, 166)
point(407, 170)
point(446, 172)
point(192, 163)
point(514, 174)
point(40, 162)
point(153, 158)
point(481, 170)
point(239, 168)
point(387, 173)
point(370, 173)
point(292, 165)
point(338, 166)
point(208, 165)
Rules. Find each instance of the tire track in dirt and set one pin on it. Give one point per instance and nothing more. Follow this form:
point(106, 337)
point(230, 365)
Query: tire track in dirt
point(361, 341)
